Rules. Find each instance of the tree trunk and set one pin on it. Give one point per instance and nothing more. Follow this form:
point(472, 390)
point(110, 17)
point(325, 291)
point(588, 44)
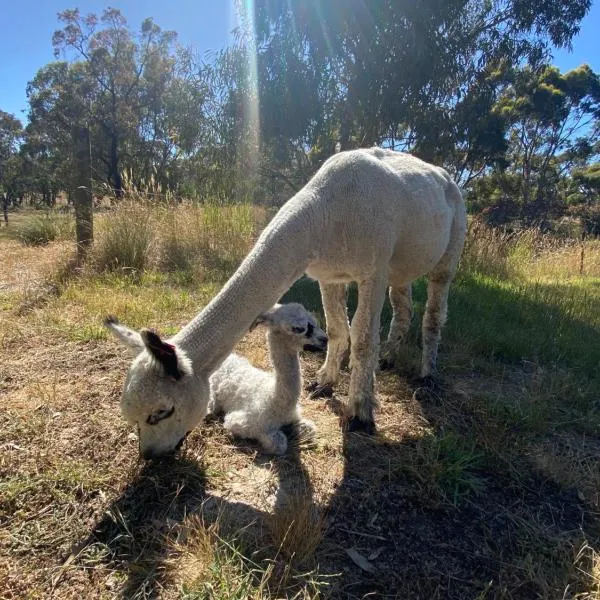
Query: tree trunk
point(5, 207)
point(114, 166)
point(84, 223)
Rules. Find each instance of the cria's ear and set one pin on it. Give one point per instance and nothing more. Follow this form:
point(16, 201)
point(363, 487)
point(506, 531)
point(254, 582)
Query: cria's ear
point(163, 352)
point(261, 319)
point(132, 339)
point(265, 317)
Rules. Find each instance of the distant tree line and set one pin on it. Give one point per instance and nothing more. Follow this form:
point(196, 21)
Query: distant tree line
point(463, 83)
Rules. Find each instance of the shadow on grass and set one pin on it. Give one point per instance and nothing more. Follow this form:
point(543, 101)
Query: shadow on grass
point(550, 324)
point(130, 539)
point(440, 516)
point(463, 512)
point(134, 539)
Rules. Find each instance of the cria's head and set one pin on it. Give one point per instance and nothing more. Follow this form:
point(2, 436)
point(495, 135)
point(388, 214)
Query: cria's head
point(294, 323)
point(162, 396)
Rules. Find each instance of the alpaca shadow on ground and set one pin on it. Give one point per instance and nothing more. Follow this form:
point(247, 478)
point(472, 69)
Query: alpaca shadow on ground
point(460, 509)
point(133, 537)
point(428, 517)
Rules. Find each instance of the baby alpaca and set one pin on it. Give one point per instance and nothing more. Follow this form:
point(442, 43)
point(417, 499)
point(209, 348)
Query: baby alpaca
point(258, 403)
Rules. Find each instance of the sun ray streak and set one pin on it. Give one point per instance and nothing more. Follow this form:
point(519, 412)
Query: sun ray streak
point(251, 114)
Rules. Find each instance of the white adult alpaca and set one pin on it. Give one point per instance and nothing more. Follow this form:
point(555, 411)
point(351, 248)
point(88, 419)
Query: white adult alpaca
point(257, 403)
point(372, 216)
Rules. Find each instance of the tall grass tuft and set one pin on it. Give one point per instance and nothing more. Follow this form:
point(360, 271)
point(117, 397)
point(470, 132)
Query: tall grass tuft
point(124, 239)
point(192, 239)
point(43, 229)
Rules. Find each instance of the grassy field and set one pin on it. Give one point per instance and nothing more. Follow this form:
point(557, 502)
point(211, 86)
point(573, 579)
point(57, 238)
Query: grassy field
point(487, 488)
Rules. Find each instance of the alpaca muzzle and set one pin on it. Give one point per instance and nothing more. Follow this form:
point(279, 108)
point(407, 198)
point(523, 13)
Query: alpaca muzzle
point(319, 346)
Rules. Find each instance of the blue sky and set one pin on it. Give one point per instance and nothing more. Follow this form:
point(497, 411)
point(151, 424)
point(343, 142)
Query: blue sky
point(26, 38)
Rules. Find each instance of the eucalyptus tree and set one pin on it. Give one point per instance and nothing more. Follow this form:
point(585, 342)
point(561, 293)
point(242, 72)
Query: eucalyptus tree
point(410, 75)
point(553, 122)
point(11, 133)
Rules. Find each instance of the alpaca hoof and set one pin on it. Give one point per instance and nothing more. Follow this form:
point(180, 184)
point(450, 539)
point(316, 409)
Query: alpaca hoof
point(355, 424)
point(386, 364)
point(317, 390)
point(301, 434)
point(429, 387)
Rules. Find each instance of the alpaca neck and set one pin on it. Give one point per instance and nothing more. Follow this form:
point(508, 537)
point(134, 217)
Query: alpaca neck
point(285, 362)
point(278, 258)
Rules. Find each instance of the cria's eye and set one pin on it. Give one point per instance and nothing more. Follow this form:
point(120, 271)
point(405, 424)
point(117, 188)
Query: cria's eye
point(298, 329)
point(160, 415)
point(309, 330)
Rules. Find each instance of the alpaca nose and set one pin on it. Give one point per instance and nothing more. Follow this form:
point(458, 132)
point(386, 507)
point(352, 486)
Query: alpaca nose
point(323, 340)
point(149, 454)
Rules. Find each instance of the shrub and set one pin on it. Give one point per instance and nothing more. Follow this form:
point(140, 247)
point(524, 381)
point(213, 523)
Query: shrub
point(46, 228)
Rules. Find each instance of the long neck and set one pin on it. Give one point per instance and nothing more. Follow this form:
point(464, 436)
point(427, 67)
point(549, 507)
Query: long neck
point(278, 258)
point(285, 362)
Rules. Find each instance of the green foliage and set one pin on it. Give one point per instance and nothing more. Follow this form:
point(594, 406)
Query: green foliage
point(453, 464)
point(11, 133)
point(548, 112)
point(413, 75)
point(140, 98)
point(254, 122)
point(585, 184)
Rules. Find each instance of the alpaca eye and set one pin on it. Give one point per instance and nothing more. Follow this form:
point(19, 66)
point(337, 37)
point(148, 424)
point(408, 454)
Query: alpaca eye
point(298, 329)
point(309, 330)
point(160, 415)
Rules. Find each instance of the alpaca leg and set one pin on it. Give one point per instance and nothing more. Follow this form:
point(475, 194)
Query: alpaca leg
point(438, 287)
point(364, 337)
point(433, 320)
point(237, 423)
point(402, 307)
point(338, 331)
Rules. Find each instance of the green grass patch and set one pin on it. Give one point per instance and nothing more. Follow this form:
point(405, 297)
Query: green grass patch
point(553, 324)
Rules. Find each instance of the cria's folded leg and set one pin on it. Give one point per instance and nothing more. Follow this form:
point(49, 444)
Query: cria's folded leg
point(338, 332)
point(237, 423)
point(365, 349)
point(273, 441)
point(402, 307)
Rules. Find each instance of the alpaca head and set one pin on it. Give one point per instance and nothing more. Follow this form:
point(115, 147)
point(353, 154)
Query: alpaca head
point(293, 323)
point(161, 396)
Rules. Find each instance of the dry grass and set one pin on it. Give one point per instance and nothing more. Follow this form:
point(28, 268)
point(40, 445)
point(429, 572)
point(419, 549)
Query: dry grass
point(199, 240)
point(485, 487)
point(528, 254)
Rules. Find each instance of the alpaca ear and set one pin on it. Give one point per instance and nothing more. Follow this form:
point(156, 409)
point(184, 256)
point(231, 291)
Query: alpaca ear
point(258, 321)
point(265, 317)
point(262, 319)
point(163, 352)
point(132, 339)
